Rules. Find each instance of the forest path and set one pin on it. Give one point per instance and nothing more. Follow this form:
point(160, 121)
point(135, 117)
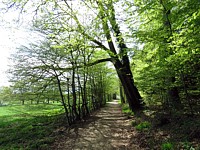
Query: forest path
point(107, 129)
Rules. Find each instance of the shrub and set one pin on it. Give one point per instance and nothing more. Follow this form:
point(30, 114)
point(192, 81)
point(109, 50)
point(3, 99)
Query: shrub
point(143, 126)
point(187, 146)
point(127, 110)
point(167, 146)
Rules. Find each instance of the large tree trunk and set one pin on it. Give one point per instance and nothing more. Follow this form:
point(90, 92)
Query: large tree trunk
point(173, 94)
point(122, 94)
point(132, 94)
point(121, 60)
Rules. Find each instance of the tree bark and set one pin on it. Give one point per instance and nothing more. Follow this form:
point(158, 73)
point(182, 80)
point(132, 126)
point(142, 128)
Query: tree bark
point(122, 94)
point(121, 60)
point(173, 94)
point(74, 110)
point(62, 99)
point(132, 94)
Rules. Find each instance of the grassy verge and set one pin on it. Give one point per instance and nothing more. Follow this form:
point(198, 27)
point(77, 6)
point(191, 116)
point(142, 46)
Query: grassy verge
point(28, 126)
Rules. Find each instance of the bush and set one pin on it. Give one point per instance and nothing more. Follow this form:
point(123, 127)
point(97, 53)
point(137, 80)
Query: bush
point(167, 146)
point(187, 146)
point(143, 126)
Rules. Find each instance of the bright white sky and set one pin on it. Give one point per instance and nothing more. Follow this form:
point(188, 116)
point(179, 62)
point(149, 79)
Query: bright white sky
point(5, 49)
point(9, 40)
point(11, 36)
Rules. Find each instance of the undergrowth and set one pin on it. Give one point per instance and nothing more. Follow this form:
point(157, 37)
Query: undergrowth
point(127, 110)
point(143, 126)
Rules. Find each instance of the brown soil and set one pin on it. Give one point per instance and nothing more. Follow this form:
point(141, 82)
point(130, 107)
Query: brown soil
point(107, 129)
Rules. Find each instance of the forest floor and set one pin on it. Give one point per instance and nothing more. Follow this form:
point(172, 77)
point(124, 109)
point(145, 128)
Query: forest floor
point(110, 129)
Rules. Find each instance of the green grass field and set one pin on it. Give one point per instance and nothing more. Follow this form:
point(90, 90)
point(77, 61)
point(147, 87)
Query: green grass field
point(28, 126)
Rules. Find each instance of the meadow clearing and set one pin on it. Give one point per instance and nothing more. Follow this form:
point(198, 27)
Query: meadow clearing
point(28, 126)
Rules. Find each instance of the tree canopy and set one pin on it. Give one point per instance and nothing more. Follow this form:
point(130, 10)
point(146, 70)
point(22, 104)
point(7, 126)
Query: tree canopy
point(157, 40)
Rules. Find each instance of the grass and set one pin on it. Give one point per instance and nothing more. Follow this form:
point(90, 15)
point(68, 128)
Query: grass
point(127, 110)
point(167, 146)
point(28, 126)
point(143, 126)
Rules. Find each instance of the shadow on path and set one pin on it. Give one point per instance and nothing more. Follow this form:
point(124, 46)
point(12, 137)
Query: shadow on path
point(108, 129)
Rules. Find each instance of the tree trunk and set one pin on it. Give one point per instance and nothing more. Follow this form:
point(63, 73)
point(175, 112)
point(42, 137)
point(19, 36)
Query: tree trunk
point(22, 102)
point(132, 94)
point(121, 60)
point(68, 99)
point(122, 94)
point(74, 94)
point(173, 94)
point(63, 100)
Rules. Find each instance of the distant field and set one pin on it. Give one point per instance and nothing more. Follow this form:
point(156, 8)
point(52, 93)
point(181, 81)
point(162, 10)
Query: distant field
point(29, 109)
point(28, 126)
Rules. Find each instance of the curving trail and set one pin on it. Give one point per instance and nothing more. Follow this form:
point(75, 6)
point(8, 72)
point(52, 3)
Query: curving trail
point(108, 129)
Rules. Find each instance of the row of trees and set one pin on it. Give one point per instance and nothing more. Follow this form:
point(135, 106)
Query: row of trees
point(64, 72)
point(94, 23)
point(163, 36)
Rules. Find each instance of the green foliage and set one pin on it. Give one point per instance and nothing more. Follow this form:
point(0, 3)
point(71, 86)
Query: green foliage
point(119, 102)
point(169, 55)
point(27, 126)
point(42, 72)
point(187, 146)
point(6, 95)
point(125, 107)
point(143, 126)
point(167, 146)
point(127, 110)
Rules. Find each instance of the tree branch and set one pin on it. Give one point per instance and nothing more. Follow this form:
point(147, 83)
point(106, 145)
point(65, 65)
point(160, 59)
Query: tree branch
point(46, 67)
point(80, 27)
point(99, 61)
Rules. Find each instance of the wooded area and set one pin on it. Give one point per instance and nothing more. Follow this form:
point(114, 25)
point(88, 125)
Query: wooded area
point(147, 52)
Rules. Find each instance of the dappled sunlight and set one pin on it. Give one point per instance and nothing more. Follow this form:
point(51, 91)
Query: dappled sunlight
point(115, 102)
point(108, 129)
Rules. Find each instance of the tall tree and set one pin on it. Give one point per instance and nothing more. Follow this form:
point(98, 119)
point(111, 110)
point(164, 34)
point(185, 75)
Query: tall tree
point(165, 32)
point(102, 19)
point(120, 60)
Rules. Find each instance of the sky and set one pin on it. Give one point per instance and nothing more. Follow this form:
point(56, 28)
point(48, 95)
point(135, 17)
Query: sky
point(12, 35)
point(9, 40)
point(5, 50)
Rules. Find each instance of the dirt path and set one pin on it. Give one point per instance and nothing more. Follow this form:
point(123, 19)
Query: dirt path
point(108, 129)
